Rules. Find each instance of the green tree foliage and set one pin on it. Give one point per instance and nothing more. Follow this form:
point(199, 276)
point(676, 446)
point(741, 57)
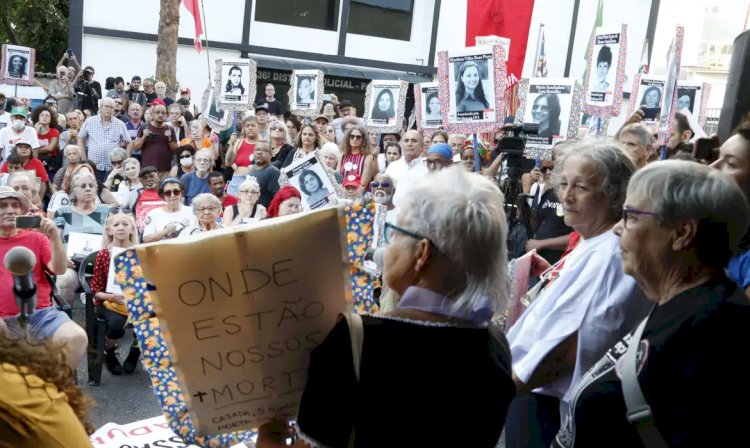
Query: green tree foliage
point(40, 24)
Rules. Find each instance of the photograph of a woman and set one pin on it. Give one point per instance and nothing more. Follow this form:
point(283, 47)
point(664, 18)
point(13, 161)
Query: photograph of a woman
point(603, 64)
point(685, 99)
point(432, 107)
point(470, 96)
point(384, 107)
point(234, 82)
point(305, 91)
point(312, 186)
point(651, 97)
point(17, 66)
point(546, 112)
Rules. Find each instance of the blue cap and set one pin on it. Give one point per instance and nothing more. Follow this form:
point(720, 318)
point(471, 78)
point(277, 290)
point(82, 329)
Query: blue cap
point(443, 149)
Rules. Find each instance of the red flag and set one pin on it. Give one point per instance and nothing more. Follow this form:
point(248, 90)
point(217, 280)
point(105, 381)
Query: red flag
point(194, 8)
point(505, 18)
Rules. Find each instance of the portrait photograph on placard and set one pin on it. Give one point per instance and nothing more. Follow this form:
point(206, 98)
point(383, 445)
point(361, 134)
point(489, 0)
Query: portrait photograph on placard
point(471, 81)
point(235, 83)
point(430, 107)
point(649, 96)
point(18, 64)
point(215, 116)
point(81, 244)
point(309, 176)
point(549, 104)
point(384, 105)
point(306, 92)
point(603, 68)
point(690, 96)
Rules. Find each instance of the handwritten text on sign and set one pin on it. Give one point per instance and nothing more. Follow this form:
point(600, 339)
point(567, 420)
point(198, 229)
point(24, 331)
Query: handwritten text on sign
point(242, 309)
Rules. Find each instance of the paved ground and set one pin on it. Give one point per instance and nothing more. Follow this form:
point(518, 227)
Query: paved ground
point(122, 399)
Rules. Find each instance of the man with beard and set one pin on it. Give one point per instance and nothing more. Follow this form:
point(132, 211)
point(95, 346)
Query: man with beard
point(134, 94)
point(382, 189)
point(145, 199)
point(157, 142)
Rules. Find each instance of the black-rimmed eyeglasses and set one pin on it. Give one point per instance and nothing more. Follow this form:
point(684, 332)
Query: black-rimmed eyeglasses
point(390, 228)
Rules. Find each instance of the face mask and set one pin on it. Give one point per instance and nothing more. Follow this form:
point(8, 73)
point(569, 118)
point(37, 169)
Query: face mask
point(186, 162)
point(18, 125)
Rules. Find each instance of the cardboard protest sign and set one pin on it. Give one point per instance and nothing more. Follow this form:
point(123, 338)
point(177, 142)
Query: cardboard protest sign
point(241, 309)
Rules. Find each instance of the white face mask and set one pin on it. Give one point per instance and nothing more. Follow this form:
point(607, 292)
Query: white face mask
point(186, 162)
point(18, 125)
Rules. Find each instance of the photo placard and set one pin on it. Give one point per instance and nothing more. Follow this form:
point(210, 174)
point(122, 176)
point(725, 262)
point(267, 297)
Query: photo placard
point(112, 286)
point(82, 244)
point(472, 88)
point(648, 95)
point(693, 96)
point(309, 176)
point(236, 83)
point(385, 101)
point(606, 71)
point(306, 92)
point(669, 103)
point(430, 111)
point(553, 104)
point(18, 65)
point(217, 118)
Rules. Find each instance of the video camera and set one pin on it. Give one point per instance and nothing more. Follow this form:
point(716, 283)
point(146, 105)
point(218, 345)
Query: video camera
point(512, 147)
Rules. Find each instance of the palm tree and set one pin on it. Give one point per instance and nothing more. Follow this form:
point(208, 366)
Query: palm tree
point(166, 47)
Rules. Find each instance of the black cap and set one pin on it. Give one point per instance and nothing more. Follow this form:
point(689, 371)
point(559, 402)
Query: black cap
point(261, 106)
point(345, 103)
point(135, 78)
point(147, 170)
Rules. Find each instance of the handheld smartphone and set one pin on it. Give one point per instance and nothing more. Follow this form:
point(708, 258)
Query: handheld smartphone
point(650, 113)
point(326, 97)
point(70, 52)
point(28, 222)
point(703, 147)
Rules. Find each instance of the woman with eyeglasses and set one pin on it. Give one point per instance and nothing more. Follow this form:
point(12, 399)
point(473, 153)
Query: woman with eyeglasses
point(357, 156)
point(247, 209)
point(73, 155)
point(450, 268)
point(240, 153)
point(585, 303)
point(329, 133)
point(85, 215)
point(280, 143)
point(120, 233)
point(183, 162)
point(167, 221)
point(116, 157)
point(207, 209)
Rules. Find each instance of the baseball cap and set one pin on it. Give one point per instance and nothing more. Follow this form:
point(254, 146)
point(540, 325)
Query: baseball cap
point(321, 117)
point(147, 170)
point(345, 103)
point(19, 110)
point(135, 78)
point(23, 141)
point(158, 101)
point(8, 192)
point(89, 69)
point(352, 180)
point(261, 106)
point(185, 90)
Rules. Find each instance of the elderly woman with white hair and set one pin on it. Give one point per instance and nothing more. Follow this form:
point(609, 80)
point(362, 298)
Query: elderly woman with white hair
point(447, 259)
point(680, 223)
point(207, 209)
point(330, 156)
point(583, 304)
point(85, 214)
point(247, 209)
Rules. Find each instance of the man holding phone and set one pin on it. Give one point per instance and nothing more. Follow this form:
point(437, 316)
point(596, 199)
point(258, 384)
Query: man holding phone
point(46, 321)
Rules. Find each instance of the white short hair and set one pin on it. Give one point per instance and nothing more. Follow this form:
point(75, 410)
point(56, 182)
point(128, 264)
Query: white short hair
point(204, 198)
point(249, 182)
point(331, 149)
point(463, 214)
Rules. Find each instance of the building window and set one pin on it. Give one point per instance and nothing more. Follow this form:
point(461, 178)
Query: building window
point(318, 14)
point(390, 19)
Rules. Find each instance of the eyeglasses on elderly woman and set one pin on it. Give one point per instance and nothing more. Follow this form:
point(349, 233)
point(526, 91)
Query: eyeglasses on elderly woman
point(391, 228)
point(629, 212)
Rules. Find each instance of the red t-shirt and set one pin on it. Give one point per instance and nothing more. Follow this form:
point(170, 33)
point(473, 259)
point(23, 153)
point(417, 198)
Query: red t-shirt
point(40, 245)
point(32, 165)
point(229, 201)
point(245, 154)
point(44, 140)
point(147, 201)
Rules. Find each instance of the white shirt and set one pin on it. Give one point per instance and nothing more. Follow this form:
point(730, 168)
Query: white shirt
point(8, 138)
point(415, 172)
point(157, 219)
point(5, 120)
point(592, 296)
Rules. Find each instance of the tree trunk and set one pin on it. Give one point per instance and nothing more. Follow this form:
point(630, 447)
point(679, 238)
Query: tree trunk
point(166, 47)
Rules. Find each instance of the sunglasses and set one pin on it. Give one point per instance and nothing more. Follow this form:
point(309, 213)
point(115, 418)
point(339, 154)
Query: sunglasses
point(544, 169)
point(116, 162)
point(170, 193)
point(355, 137)
point(376, 184)
point(277, 128)
point(113, 210)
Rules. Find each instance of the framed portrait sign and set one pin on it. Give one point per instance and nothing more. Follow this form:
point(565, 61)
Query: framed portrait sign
point(647, 94)
point(554, 105)
point(309, 176)
point(606, 71)
point(217, 118)
point(472, 88)
point(693, 96)
point(429, 111)
point(82, 244)
point(669, 103)
point(385, 101)
point(236, 83)
point(18, 65)
point(306, 92)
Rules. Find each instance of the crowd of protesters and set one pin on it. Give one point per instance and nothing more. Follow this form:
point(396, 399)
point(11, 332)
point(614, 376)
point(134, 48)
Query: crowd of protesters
point(622, 236)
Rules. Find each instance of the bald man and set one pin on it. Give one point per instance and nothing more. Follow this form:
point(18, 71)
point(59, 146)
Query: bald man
point(102, 134)
point(409, 169)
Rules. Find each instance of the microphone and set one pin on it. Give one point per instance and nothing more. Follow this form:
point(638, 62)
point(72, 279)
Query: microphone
point(20, 261)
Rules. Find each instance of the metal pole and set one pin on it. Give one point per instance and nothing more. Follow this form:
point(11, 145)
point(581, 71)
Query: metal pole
point(205, 32)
